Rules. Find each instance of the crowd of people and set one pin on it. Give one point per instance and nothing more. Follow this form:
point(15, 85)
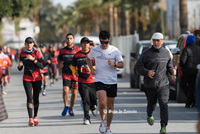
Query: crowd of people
point(91, 71)
point(83, 70)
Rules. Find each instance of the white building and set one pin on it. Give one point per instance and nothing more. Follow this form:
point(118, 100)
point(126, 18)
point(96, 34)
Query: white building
point(27, 28)
point(173, 17)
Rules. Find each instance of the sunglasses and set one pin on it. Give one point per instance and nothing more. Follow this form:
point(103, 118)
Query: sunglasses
point(104, 42)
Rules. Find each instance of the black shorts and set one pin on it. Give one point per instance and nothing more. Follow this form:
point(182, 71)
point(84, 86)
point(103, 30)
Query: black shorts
point(45, 74)
point(6, 73)
point(71, 84)
point(111, 89)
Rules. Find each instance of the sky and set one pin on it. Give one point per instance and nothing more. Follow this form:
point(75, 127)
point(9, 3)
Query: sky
point(64, 3)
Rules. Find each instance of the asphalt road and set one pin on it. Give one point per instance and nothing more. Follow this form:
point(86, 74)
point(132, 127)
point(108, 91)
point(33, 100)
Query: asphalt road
point(129, 117)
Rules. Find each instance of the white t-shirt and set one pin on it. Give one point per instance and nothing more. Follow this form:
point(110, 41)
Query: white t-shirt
point(104, 72)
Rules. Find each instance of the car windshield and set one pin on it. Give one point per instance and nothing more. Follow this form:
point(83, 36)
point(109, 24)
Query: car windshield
point(144, 47)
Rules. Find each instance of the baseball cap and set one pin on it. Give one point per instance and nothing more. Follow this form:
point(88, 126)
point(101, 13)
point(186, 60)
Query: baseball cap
point(158, 36)
point(42, 45)
point(85, 39)
point(29, 39)
point(50, 46)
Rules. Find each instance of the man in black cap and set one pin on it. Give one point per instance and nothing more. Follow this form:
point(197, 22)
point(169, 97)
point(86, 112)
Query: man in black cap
point(47, 61)
point(86, 86)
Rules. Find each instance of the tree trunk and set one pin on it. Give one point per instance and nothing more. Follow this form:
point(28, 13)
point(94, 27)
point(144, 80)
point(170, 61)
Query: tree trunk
point(140, 26)
point(111, 20)
point(127, 22)
point(123, 24)
point(133, 24)
point(183, 16)
point(115, 22)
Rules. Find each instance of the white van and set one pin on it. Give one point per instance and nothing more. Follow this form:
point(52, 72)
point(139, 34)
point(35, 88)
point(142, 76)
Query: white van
point(77, 41)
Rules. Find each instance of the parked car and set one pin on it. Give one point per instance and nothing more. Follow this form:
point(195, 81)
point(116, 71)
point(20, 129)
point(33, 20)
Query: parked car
point(136, 80)
point(120, 71)
point(176, 91)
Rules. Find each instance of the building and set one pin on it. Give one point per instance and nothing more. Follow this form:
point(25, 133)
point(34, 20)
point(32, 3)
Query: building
point(16, 40)
point(173, 16)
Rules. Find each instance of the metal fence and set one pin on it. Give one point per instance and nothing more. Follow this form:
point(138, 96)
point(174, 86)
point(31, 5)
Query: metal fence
point(125, 44)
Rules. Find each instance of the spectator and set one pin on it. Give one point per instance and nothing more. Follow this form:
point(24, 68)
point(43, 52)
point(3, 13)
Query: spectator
point(197, 36)
point(189, 60)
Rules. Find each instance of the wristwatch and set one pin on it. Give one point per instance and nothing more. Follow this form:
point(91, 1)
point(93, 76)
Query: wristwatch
point(115, 64)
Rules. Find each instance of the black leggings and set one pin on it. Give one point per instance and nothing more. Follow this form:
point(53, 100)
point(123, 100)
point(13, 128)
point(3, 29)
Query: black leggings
point(32, 96)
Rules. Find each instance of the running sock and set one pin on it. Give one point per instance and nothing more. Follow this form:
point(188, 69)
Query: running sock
point(5, 84)
point(44, 86)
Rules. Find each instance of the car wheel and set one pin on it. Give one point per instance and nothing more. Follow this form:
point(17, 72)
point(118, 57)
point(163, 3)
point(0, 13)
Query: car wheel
point(137, 81)
point(180, 96)
point(132, 82)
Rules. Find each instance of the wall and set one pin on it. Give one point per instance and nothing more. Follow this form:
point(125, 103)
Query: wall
point(125, 44)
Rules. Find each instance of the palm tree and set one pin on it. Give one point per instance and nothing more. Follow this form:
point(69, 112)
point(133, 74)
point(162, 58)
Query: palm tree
point(183, 15)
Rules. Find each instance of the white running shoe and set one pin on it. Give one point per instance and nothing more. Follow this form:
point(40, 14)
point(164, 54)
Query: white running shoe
point(108, 131)
point(102, 127)
point(43, 92)
point(86, 122)
point(4, 92)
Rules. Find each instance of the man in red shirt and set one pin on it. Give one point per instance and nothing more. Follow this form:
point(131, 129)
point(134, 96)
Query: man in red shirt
point(86, 86)
point(69, 79)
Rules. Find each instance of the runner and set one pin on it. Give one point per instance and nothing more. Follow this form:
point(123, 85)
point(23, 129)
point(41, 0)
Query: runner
point(6, 63)
point(57, 68)
point(32, 61)
point(47, 61)
point(86, 86)
point(107, 59)
point(53, 65)
point(69, 79)
point(11, 56)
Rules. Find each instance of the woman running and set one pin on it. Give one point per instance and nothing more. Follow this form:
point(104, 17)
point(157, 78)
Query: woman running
point(54, 64)
point(32, 61)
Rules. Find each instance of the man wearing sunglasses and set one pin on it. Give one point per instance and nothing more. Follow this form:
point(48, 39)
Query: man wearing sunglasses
point(107, 58)
point(154, 64)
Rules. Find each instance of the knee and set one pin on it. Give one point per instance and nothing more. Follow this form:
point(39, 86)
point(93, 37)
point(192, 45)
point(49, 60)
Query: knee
point(110, 106)
point(65, 90)
point(102, 104)
point(74, 92)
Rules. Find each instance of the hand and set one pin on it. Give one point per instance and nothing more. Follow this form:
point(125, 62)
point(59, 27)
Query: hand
point(20, 64)
point(173, 71)
point(76, 74)
point(49, 61)
point(61, 65)
point(93, 71)
point(30, 57)
point(151, 73)
point(111, 63)
point(198, 127)
point(87, 69)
